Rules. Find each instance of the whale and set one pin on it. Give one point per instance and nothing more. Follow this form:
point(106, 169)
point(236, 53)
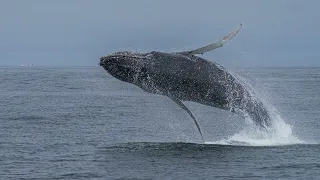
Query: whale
point(186, 76)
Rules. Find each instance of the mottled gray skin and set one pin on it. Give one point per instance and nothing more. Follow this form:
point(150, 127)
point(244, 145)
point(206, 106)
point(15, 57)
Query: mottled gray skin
point(187, 77)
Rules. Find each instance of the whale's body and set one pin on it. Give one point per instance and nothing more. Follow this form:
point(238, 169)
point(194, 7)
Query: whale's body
point(183, 76)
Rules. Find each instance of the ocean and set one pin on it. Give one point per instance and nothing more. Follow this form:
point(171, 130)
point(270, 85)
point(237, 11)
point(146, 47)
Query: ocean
point(81, 123)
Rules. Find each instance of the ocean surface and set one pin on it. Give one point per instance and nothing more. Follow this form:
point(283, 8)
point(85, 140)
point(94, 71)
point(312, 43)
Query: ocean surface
point(81, 123)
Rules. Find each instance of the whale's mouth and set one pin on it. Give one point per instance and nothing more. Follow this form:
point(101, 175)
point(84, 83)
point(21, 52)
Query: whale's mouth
point(121, 66)
point(123, 73)
point(125, 66)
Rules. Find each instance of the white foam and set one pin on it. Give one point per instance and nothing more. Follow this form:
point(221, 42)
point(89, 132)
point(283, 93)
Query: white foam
point(279, 134)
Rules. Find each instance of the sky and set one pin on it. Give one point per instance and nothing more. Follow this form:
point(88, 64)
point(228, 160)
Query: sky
point(78, 32)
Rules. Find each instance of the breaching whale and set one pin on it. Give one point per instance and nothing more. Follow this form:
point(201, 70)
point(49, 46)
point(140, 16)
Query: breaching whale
point(183, 76)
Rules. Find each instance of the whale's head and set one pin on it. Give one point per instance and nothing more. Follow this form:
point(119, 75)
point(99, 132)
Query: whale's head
point(125, 66)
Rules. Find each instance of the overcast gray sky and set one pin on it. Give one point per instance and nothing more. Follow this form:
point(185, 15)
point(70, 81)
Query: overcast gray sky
point(78, 32)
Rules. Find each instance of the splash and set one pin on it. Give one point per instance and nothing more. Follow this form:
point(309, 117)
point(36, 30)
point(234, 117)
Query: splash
point(280, 133)
point(255, 137)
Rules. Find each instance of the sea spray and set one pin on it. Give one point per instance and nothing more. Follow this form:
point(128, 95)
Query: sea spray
point(279, 133)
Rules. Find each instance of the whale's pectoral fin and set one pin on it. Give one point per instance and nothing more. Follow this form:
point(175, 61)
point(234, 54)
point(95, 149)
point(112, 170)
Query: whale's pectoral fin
point(189, 112)
point(214, 45)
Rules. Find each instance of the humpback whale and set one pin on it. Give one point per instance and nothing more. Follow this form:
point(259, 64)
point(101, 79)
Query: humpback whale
point(184, 76)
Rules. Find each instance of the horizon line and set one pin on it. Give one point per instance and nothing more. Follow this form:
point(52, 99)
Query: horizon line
point(236, 66)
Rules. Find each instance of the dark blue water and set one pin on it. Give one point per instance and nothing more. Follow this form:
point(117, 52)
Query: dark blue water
point(80, 123)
